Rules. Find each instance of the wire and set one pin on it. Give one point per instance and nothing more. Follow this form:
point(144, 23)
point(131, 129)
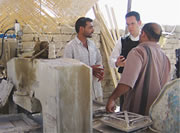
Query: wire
point(2, 48)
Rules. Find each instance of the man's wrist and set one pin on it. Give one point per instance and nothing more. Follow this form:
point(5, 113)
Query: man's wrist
point(111, 98)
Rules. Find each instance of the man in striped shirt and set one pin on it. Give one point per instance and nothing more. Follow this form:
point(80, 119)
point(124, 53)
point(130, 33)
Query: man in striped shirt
point(84, 50)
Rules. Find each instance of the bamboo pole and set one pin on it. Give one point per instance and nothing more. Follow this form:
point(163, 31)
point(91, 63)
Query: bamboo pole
point(129, 5)
point(115, 23)
point(108, 43)
point(111, 23)
point(108, 39)
point(128, 10)
point(107, 56)
point(103, 26)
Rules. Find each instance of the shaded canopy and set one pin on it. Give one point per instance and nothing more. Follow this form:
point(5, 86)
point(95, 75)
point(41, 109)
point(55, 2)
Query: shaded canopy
point(42, 15)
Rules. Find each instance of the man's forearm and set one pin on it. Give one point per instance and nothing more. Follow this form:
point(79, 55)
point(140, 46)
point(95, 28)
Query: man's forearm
point(120, 90)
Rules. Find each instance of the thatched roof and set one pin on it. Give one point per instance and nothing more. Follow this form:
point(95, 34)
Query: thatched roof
point(42, 15)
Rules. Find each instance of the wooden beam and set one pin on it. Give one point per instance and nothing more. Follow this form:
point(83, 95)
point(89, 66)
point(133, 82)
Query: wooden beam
point(115, 23)
point(111, 23)
point(103, 26)
point(107, 42)
point(128, 10)
point(129, 6)
point(111, 70)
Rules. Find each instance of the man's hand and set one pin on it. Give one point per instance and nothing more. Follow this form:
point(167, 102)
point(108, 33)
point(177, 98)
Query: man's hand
point(120, 90)
point(120, 61)
point(110, 106)
point(98, 72)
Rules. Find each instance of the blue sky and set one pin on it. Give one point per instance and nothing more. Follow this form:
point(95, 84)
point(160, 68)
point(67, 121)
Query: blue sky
point(164, 12)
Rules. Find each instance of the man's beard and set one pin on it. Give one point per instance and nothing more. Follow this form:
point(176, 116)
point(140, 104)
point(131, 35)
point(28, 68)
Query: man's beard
point(88, 35)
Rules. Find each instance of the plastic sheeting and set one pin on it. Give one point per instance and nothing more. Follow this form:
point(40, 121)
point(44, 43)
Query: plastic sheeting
point(42, 15)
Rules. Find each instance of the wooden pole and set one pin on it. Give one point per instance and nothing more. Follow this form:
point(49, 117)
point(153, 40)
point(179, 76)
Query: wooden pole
point(111, 23)
point(107, 56)
point(107, 42)
point(104, 27)
point(115, 23)
point(129, 5)
point(128, 10)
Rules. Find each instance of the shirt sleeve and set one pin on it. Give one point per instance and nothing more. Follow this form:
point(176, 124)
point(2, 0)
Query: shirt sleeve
point(132, 68)
point(115, 53)
point(68, 51)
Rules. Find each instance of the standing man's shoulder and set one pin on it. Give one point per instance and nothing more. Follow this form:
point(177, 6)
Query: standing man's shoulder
point(71, 42)
point(69, 48)
point(137, 52)
point(92, 44)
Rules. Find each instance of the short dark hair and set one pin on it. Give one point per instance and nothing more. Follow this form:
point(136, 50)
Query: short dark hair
point(133, 13)
point(153, 31)
point(81, 22)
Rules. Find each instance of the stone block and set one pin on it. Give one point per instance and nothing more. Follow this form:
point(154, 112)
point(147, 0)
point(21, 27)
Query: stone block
point(28, 37)
point(28, 45)
point(67, 29)
point(172, 41)
point(63, 87)
point(168, 28)
point(168, 46)
point(46, 37)
point(29, 103)
point(177, 35)
point(63, 37)
point(177, 30)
